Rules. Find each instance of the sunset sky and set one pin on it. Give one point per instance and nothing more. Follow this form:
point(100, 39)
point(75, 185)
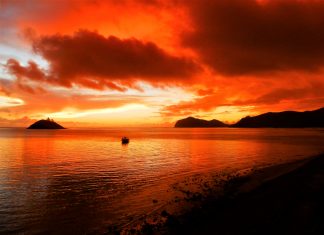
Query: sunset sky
point(151, 62)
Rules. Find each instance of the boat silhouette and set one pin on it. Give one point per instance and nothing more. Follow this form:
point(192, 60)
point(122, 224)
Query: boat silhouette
point(125, 140)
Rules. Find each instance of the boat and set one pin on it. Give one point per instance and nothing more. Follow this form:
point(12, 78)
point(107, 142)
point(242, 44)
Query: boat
point(125, 140)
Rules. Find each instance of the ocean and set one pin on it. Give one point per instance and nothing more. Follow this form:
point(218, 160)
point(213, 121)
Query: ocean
point(85, 180)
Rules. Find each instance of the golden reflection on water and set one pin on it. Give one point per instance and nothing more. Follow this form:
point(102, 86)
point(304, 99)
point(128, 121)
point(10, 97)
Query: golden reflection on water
point(84, 180)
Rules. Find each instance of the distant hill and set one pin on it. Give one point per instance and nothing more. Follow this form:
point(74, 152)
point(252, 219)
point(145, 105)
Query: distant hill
point(288, 119)
point(46, 124)
point(195, 122)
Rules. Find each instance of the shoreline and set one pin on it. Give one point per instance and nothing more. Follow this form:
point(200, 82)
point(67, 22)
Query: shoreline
point(242, 199)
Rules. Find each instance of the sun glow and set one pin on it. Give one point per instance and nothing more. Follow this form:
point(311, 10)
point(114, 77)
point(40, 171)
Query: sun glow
point(10, 102)
point(74, 113)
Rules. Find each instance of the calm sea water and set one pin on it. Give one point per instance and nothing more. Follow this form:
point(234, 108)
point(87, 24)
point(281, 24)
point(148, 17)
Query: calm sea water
point(82, 181)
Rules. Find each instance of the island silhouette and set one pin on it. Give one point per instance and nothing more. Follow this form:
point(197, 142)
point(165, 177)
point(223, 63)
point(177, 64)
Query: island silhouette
point(45, 124)
point(195, 122)
point(286, 119)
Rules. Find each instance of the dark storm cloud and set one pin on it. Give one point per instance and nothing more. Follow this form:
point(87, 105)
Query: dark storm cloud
point(242, 37)
point(91, 60)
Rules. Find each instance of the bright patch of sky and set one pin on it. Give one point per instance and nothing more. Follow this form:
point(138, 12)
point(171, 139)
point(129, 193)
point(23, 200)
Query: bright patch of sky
point(21, 54)
point(10, 102)
point(163, 96)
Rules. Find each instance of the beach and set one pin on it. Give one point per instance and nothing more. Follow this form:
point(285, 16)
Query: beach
point(280, 199)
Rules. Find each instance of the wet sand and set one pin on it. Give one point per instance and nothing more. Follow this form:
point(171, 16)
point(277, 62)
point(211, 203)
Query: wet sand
point(281, 199)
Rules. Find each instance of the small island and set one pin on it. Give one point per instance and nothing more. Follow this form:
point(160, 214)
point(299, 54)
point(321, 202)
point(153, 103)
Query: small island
point(191, 122)
point(45, 124)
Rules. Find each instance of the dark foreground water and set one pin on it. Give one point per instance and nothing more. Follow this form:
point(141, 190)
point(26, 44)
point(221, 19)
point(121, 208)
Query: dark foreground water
point(83, 181)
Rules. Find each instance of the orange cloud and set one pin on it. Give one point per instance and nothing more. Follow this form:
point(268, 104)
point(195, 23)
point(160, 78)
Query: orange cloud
point(91, 60)
point(155, 20)
point(292, 91)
